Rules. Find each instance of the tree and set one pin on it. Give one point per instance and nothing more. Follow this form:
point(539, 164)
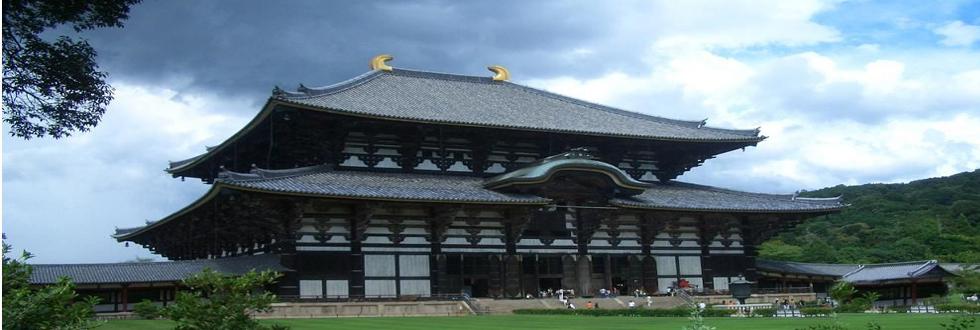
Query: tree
point(50, 307)
point(53, 88)
point(967, 281)
point(218, 302)
point(779, 250)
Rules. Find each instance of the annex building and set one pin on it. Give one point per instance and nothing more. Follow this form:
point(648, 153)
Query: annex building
point(402, 183)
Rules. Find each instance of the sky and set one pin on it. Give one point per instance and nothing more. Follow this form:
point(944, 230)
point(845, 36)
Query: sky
point(848, 92)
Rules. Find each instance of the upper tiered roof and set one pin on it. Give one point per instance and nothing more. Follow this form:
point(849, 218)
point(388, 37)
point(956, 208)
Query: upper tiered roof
point(442, 98)
point(474, 101)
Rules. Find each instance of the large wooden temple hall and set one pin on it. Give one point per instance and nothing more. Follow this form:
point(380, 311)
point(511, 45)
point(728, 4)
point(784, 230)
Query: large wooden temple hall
point(412, 183)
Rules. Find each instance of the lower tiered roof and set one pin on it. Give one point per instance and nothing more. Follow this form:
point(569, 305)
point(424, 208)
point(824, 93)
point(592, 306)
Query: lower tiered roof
point(326, 182)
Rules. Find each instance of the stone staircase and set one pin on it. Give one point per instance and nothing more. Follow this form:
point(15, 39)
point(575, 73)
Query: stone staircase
point(507, 306)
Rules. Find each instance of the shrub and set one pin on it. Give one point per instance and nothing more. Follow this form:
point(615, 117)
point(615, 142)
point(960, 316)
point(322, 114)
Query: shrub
point(962, 308)
point(763, 312)
point(54, 306)
point(858, 307)
point(147, 309)
point(217, 301)
point(816, 311)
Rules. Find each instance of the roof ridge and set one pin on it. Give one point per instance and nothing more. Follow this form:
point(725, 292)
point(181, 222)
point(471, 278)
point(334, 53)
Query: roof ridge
point(303, 92)
point(858, 269)
point(260, 174)
point(913, 262)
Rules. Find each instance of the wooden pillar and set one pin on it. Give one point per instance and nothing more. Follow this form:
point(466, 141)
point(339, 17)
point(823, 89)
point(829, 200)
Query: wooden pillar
point(607, 273)
point(709, 227)
point(358, 225)
point(750, 237)
point(512, 276)
point(125, 298)
point(569, 274)
point(583, 272)
point(495, 276)
point(914, 293)
point(650, 226)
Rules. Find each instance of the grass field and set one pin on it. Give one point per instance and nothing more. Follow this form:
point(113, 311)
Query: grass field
point(543, 322)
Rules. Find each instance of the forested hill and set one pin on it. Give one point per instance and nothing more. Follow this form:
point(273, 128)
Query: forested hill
point(936, 218)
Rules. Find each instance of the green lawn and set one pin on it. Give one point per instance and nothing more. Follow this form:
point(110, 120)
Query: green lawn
point(542, 322)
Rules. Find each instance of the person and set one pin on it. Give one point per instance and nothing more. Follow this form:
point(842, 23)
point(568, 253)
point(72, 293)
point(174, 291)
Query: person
point(631, 305)
point(571, 305)
point(596, 305)
point(649, 301)
point(589, 305)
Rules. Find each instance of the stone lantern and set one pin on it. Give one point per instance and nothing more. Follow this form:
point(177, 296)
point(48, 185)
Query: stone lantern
point(740, 289)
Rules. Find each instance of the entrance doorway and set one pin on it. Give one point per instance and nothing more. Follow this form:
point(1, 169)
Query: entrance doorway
point(620, 284)
point(477, 287)
point(549, 283)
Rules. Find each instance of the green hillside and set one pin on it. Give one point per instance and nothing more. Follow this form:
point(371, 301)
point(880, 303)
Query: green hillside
point(936, 218)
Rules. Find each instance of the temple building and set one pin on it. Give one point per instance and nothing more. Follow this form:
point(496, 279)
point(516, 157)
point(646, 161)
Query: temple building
point(403, 183)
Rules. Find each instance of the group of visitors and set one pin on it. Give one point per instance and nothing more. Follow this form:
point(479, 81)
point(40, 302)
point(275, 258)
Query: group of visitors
point(560, 294)
point(606, 293)
point(788, 304)
point(639, 293)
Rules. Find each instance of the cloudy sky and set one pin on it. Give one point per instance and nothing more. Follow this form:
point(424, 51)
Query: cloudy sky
point(848, 92)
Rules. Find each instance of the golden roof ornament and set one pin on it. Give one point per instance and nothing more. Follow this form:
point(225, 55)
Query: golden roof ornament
point(500, 73)
point(380, 62)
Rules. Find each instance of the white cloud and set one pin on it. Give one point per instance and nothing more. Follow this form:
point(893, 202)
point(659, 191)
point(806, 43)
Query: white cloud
point(829, 122)
point(733, 24)
point(63, 198)
point(957, 33)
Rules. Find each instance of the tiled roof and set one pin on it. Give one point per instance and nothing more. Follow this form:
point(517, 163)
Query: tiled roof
point(835, 270)
point(456, 99)
point(146, 272)
point(854, 273)
point(323, 181)
point(685, 196)
point(891, 271)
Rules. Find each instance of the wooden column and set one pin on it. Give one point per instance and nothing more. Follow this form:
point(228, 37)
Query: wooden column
point(607, 273)
point(914, 293)
point(358, 225)
point(514, 225)
point(125, 297)
point(587, 221)
point(442, 218)
point(512, 276)
point(650, 226)
point(583, 272)
point(709, 227)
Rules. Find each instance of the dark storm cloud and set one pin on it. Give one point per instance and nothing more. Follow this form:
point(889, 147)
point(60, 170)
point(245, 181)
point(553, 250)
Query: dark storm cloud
point(247, 47)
